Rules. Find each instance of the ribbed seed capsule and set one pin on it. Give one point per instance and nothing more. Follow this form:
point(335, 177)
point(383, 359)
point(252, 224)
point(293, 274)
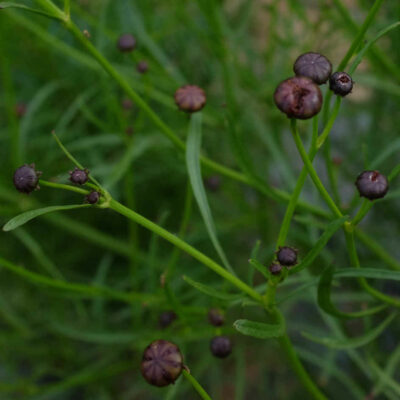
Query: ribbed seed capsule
point(126, 43)
point(313, 65)
point(341, 83)
point(221, 346)
point(162, 363)
point(216, 317)
point(298, 97)
point(275, 268)
point(190, 98)
point(166, 318)
point(287, 256)
point(372, 185)
point(93, 197)
point(26, 179)
point(79, 176)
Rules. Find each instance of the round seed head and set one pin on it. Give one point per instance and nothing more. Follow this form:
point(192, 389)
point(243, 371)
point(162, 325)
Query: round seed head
point(287, 256)
point(142, 67)
point(20, 110)
point(166, 318)
point(341, 83)
point(190, 98)
point(298, 97)
point(126, 43)
point(216, 317)
point(372, 185)
point(93, 197)
point(213, 183)
point(26, 178)
point(127, 104)
point(275, 268)
point(221, 346)
point(162, 363)
point(79, 176)
point(313, 65)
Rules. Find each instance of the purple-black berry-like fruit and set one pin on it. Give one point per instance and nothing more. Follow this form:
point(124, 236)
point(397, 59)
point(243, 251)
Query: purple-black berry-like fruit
point(221, 346)
point(79, 176)
point(93, 197)
point(341, 83)
point(26, 178)
point(166, 318)
point(287, 256)
point(126, 43)
point(275, 268)
point(142, 67)
point(298, 97)
point(372, 185)
point(162, 363)
point(213, 183)
point(216, 317)
point(314, 66)
point(190, 98)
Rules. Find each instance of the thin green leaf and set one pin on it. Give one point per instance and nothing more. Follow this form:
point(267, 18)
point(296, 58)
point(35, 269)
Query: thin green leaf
point(260, 268)
point(319, 246)
point(23, 218)
point(10, 4)
point(352, 343)
point(194, 170)
point(210, 291)
point(85, 290)
point(371, 273)
point(259, 330)
point(325, 302)
point(360, 55)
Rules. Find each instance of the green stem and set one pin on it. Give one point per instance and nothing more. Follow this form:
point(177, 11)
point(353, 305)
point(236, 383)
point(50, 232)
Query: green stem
point(63, 187)
point(363, 210)
point(196, 385)
point(360, 35)
point(187, 248)
point(298, 368)
point(67, 8)
point(312, 172)
point(351, 247)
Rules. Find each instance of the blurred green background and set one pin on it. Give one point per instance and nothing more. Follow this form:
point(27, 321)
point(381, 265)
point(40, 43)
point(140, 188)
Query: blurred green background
point(56, 344)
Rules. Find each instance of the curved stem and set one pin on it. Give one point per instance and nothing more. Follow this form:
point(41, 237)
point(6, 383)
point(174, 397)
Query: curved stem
point(298, 368)
point(312, 172)
point(351, 247)
point(196, 385)
point(63, 187)
point(187, 248)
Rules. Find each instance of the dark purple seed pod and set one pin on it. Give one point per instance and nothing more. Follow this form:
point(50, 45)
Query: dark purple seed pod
point(314, 66)
point(142, 67)
point(372, 185)
point(213, 183)
point(287, 256)
point(221, 346)
point(79, 176)
point(341, 83)
point(93, 197)
point(26, 179)
point(126, 43)
point(20, 110)
point(298, 97)
point(190, 98)
point(127, 104)
point(216, 317)
point(166, 318)
point(275, 268)
point(162, 363)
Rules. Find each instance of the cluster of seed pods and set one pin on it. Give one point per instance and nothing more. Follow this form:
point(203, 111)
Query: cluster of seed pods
point(162, 361)
point(300, 97)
